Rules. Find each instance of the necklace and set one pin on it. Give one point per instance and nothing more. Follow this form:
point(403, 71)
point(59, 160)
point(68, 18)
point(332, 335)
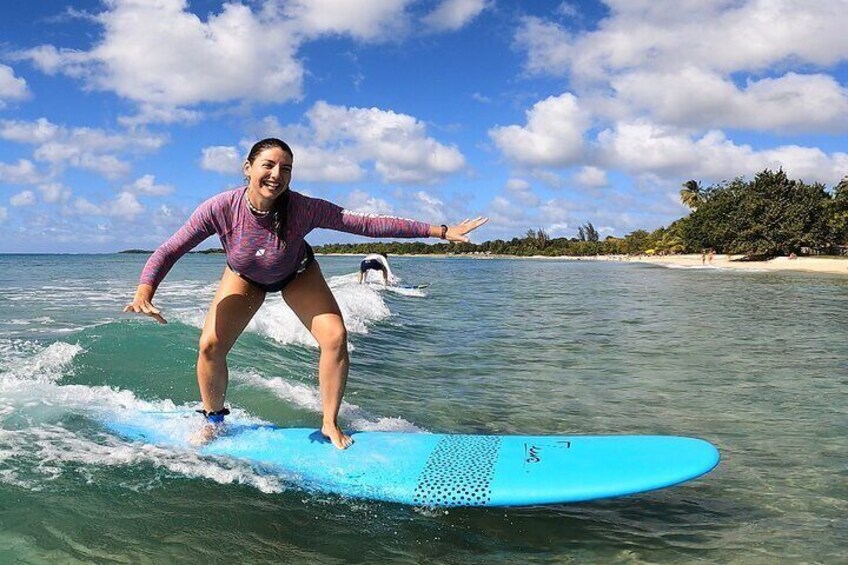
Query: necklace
point(256, 211)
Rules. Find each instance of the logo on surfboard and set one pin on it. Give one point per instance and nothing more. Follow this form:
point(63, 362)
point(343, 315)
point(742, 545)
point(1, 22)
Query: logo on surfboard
point(533, 453)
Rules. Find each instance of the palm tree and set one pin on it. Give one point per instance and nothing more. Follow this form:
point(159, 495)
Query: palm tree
point(691, 194)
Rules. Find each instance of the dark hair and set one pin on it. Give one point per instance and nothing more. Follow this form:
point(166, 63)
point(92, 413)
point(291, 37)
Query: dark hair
point(281, 204)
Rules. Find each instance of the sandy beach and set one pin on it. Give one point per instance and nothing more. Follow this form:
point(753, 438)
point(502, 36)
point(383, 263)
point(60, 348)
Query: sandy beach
point(829, 265)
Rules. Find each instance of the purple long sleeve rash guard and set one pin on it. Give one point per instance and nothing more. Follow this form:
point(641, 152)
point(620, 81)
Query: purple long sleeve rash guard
point(252, 247)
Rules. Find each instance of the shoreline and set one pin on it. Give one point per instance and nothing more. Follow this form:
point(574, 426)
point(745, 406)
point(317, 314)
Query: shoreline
point(825, 265)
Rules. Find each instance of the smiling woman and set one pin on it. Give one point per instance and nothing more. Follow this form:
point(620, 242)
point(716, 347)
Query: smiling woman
point(262, 228)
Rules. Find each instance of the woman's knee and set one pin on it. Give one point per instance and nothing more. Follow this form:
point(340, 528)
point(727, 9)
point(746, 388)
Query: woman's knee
point(331, 336)
point(211, 347)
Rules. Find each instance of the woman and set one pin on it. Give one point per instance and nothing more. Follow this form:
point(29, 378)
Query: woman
point(262, 227)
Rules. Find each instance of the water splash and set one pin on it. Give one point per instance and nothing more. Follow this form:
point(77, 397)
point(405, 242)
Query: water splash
point(308, 397)
point(361, 306)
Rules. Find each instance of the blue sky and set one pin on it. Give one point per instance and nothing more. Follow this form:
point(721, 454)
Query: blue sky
point(118, 117)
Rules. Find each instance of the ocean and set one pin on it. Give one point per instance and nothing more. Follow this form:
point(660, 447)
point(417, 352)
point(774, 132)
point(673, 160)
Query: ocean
point(754, 362)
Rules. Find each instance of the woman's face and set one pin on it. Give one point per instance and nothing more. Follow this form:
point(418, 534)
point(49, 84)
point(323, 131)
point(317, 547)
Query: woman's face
point(270, 173)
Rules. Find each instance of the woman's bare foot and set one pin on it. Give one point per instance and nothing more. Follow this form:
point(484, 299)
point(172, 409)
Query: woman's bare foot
point(206, 433)
point(335, 434)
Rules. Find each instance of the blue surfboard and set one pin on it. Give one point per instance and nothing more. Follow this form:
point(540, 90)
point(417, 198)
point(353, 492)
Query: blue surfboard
point(443, 470)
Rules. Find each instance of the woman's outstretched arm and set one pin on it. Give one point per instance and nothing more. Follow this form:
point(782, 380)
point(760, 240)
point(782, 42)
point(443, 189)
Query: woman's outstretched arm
point(327, 215)
point(198, 227)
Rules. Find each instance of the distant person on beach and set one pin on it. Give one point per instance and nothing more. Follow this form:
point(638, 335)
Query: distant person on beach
point(710, 255)
point(262, 227)
point(374, 262)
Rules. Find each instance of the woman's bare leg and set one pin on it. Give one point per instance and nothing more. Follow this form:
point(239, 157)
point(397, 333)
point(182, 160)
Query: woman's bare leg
point(234, 305)
point(311, 300)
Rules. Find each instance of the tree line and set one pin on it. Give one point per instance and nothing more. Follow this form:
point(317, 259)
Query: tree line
point(767, 216)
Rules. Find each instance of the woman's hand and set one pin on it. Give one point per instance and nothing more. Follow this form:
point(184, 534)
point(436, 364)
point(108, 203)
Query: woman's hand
point(142, 304)
point(457, 232)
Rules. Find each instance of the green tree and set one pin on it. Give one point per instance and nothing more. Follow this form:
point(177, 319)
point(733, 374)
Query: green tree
point(587, 233)
point(838, 214)
point(691, 195)
point(768, 216)
point(636, 242)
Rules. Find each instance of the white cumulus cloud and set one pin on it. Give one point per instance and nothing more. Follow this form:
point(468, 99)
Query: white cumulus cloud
point(338, 143)
point(452, 15)
point(166, 58)
point(153, 114)
point(159, 53)
point(555, 215)
point(124, 205)
point(22, 172)
point(696, 64)
point(591, 177)
point(552, 136)
point(521, 190)
point(25, 198)
point(147, 185)
point(81, 147)
point(54, 192)
point(665, 34)
point(39, 131)
point(221, 159)
point(693, 97)
point(428, 207)
point(361, 201)
point(318, 164)
point(644, 147)
point(11, 87)
point(507, 218)
point(367, 20)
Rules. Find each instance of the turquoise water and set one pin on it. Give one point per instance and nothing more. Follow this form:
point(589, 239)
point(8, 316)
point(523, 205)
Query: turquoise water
point(755, 362)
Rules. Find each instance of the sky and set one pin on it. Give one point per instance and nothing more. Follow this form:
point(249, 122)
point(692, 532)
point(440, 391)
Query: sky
point(119, 117)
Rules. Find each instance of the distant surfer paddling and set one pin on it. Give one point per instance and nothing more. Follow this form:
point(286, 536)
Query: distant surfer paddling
point(262, 228)
point(374, 262)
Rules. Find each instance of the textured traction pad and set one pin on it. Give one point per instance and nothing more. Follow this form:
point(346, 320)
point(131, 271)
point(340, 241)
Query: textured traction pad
point(458, 472)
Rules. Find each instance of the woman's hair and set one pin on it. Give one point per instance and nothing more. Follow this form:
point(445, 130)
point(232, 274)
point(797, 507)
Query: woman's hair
point(281, 204)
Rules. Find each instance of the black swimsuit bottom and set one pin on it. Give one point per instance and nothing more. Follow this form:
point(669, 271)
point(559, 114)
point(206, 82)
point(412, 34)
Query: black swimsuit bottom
point(371, 264)
point(280, 285)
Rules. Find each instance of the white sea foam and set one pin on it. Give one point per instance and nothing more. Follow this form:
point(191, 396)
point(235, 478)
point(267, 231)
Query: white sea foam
point(37, 447)
point(308, 397)
point(53, 450)
point(395, 284)
point(42, 320)
point(712, 268)
point(692, 267)
point(403, 291)
point(361, 306)
point(108, 294)
point(24, 360)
